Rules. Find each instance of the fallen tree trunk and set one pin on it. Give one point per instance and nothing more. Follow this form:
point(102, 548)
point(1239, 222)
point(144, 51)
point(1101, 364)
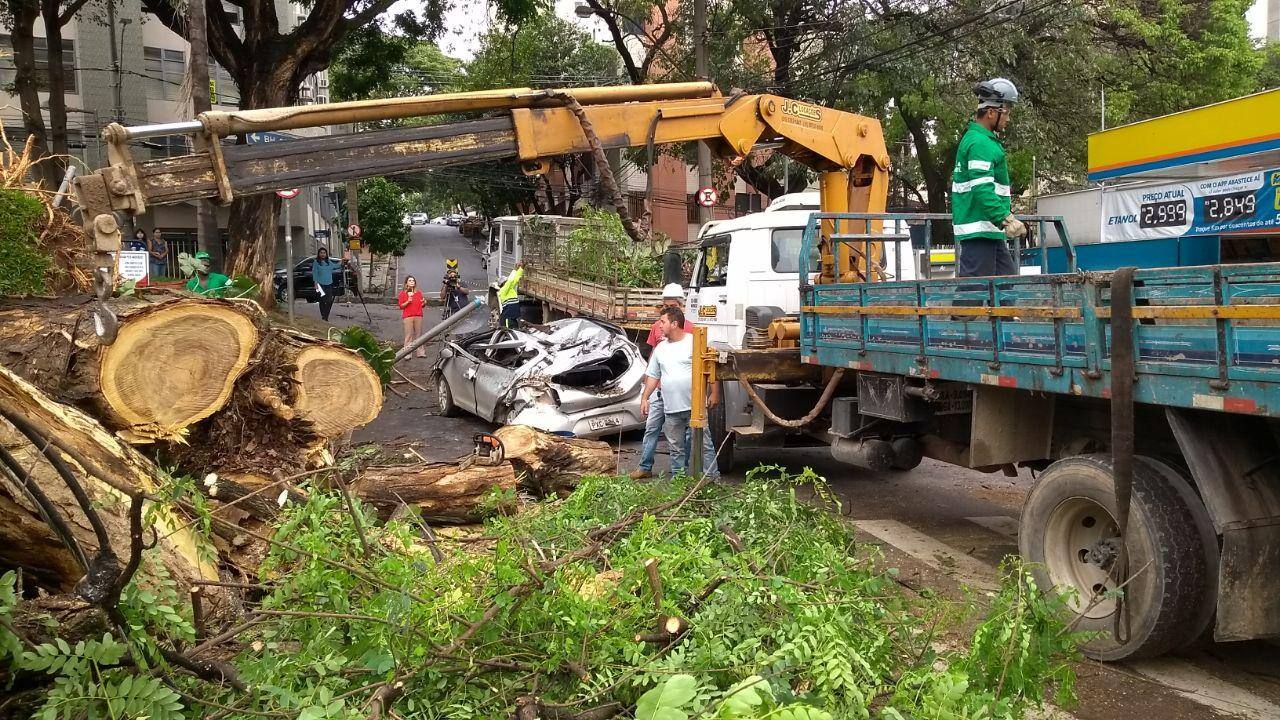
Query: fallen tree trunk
point(443, 492)
point(174, 362)
point(549, 463)
point(44, 527)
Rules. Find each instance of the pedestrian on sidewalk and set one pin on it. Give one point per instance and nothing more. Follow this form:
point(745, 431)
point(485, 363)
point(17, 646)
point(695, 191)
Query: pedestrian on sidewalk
point(322, 269)
point(672, 296)
point(410, 301)
point(158, 254)
point(671, 365)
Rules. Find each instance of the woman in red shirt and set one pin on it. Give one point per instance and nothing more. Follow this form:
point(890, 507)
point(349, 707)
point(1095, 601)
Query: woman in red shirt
point(410, 301)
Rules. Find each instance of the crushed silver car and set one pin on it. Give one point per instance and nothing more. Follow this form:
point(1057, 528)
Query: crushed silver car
point(575, 376)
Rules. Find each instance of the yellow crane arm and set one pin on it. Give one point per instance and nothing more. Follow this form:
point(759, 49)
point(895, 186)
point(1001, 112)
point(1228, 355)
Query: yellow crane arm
point(531, 126)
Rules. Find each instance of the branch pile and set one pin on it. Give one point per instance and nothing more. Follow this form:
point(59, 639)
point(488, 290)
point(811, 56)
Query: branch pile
point(640, 600)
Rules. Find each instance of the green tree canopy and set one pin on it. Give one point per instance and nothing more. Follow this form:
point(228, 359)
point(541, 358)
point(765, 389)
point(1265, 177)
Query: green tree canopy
point(382, 210)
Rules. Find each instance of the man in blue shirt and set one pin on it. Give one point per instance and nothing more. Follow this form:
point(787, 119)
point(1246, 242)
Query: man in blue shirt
point(322, 270)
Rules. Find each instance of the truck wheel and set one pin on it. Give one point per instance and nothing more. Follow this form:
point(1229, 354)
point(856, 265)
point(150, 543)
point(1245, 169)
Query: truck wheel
point(721, 437)
point(444, 397)
point(1068, 535)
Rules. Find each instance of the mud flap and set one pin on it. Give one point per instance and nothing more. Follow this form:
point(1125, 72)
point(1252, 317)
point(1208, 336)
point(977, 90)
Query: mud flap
point(1232, 459)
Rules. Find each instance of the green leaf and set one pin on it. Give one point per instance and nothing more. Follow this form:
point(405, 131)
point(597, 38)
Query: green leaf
point(665, 701)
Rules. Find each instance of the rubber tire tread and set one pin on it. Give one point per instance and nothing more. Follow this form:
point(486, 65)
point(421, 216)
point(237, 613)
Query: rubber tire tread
point(716, 422)
point(1159, 512)
point(449, 409)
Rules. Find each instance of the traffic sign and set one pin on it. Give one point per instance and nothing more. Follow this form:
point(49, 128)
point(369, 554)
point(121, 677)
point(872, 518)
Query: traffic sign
point(288, 194)
point(353, 230)
point(707, 196)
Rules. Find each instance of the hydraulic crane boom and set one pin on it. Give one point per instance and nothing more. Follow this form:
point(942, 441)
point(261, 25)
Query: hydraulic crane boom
point(530, 126)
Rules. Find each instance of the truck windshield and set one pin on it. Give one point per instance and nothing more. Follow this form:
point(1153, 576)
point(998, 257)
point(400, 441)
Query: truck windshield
point(713, 265)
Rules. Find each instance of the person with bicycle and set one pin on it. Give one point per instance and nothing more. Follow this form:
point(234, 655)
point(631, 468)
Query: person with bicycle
point(453, 292)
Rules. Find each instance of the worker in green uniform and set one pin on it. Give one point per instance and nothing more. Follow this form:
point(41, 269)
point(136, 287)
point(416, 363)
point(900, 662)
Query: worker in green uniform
point(980, 203)
point(206, 282)
point(509, 298)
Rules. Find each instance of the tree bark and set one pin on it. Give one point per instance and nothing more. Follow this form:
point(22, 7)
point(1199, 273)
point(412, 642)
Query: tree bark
point(27, 537)
point(57, 73)
point(444, 492)
point(174, 362)
point(549, 464)
point(22, 34)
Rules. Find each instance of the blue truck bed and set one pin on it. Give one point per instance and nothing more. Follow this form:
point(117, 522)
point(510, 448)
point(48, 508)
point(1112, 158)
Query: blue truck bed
point(1205, 337)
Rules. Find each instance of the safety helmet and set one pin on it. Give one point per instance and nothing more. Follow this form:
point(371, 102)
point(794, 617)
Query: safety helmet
point(202, 255)
point(451, 263)
point(995, 93)
point(673, 291)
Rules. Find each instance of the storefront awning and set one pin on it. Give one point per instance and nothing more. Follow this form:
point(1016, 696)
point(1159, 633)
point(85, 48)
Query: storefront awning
point(1227, 138)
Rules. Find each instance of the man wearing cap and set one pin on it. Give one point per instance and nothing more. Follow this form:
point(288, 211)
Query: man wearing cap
point(206, 283)
point(672, 296)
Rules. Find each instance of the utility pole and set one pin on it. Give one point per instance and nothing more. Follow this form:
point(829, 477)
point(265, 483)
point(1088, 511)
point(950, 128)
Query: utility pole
point(208, 238)
point(700, 69)
point(117, 87)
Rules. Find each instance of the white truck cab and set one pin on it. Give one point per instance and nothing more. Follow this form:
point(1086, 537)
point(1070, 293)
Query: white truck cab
point(753, 262)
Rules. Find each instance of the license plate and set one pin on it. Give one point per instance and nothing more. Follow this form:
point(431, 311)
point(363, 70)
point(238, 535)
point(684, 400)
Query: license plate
point(707, 311)
point(608, 421)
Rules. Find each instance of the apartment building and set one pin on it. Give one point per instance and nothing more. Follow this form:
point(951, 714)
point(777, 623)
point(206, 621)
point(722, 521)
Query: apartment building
point(151, 85)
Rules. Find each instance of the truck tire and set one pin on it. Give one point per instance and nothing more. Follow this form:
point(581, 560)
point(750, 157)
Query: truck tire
point(444, 397)
point(721, 436)
point(1066, 521)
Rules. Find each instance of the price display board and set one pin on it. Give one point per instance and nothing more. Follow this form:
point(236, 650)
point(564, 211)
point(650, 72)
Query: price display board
point(1213, 206)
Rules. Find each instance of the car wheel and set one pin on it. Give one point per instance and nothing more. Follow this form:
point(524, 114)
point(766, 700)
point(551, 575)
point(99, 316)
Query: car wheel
point(1068, 535)
point(444, 397)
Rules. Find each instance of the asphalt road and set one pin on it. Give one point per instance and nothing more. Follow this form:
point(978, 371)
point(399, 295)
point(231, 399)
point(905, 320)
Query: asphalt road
point(943, 526)
point(430, 247)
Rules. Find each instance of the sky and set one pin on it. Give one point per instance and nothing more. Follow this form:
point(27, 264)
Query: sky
point(468, 19)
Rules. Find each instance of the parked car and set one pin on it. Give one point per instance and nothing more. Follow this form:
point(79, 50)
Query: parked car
point(438, 220)
point(576, 376)
point(406, 220)
point(419, 218)
point(454, 220)
point(305, 288)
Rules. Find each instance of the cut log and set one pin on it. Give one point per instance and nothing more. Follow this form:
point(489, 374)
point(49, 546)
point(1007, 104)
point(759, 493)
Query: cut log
point(338, 390)
point(549, 463)
point(42, 554)
point(174, 361)
point(299, 393)
point(444, 492)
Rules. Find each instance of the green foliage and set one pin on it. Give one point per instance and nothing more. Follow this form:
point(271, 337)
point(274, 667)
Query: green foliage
point(543, 51)
point(382, 211)
point(381, 357)
point(802, 605)
point(373, 63)
point(598, 250)
point(23, 263)
point(103, 677)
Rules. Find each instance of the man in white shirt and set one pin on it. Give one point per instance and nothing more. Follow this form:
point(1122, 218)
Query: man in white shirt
point(671, 365)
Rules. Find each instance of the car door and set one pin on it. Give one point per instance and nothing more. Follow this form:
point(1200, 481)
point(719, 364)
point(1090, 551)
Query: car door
point(493, 377)
point(460, 373)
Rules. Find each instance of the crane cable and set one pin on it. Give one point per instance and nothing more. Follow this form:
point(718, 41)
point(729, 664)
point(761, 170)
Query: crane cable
point(603, 170)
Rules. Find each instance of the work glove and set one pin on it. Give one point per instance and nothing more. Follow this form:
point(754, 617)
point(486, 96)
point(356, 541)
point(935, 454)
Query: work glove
point(1014, 228)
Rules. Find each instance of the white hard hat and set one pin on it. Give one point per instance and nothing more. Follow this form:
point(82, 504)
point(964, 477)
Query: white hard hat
point(995, 93)
point(673, 290)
